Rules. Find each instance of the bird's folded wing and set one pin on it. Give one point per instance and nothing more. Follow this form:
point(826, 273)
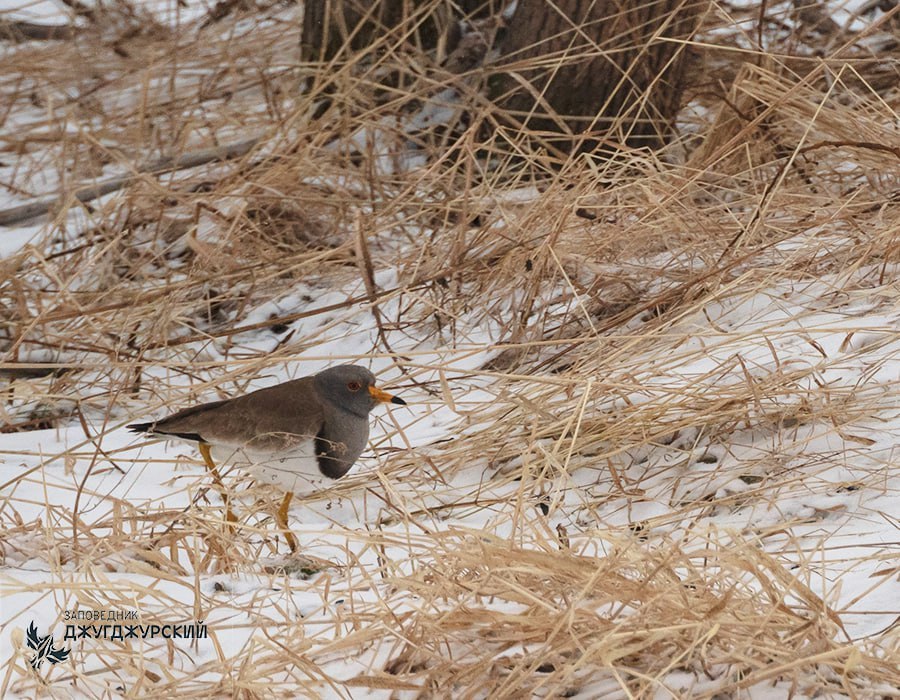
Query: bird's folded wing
point(271, 419)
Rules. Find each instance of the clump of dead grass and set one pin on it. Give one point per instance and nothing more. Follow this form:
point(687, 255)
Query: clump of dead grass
point(494, 619)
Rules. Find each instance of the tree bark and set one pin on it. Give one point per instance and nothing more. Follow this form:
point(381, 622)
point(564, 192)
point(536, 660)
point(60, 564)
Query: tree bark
point(331, 27)
point(597, 71)
point(580, 74)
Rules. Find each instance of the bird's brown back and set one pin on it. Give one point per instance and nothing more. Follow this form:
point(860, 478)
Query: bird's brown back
point(267, 419)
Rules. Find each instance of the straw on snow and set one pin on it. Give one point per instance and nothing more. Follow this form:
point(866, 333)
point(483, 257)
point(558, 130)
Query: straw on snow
point(603, 363)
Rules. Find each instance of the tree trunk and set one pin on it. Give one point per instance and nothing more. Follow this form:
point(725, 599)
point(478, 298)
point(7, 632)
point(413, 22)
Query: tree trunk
point(597, 71)
point(331, 27)
point(581, 74)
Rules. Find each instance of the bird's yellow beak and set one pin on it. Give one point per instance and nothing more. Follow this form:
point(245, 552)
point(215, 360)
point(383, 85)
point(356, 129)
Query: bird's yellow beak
point(385, 397)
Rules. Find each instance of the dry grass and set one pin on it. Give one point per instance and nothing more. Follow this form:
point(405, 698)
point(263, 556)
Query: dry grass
point(601, 389)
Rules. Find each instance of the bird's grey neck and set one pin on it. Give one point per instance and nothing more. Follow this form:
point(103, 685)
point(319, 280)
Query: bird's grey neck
point(364, 415)
point(343, 412)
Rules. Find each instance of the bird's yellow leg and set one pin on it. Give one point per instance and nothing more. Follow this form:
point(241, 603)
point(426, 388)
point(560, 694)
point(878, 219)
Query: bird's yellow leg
point(281, 518)
point(208, 460)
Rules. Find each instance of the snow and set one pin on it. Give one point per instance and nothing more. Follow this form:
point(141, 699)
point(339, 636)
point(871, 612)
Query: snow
point(53, 11)
point(835, 514)
point(775, 327)
point(33, 10)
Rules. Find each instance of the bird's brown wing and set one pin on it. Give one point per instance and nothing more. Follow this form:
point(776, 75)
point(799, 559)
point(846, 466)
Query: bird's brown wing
point(270, 419)
point(182, 424)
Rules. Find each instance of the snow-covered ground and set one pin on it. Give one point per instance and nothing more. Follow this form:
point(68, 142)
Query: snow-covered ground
point(758, 420)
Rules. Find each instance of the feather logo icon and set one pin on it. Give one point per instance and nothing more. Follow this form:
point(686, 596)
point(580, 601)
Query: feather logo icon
point(43, 648)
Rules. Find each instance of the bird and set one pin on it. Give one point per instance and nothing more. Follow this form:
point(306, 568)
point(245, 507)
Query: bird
point(300, 435)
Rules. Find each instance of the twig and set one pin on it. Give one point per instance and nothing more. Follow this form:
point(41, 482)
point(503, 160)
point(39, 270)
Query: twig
point(80, 9)
point(19, 32)
point(23, 212)
point(364, 258)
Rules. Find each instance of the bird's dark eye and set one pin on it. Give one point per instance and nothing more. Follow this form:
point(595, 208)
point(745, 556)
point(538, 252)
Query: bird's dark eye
point(354, 386)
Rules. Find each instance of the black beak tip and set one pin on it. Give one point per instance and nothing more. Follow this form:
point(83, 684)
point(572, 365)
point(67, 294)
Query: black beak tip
point(397, 400)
